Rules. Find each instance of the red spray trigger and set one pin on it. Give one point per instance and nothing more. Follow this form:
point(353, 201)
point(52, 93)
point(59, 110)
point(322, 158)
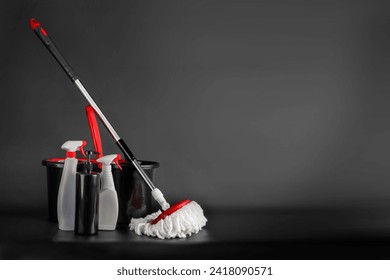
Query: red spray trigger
point(82, 149)
point(116, 161)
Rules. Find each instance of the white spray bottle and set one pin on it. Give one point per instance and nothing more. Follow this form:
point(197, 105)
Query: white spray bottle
point(108, 200)
point(66, 204)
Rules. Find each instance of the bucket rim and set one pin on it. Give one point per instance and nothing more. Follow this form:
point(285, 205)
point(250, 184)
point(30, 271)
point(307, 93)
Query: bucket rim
point(59, 162)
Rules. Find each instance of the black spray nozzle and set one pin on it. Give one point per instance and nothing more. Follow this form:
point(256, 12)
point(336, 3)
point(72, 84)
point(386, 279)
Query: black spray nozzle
point(88, 166)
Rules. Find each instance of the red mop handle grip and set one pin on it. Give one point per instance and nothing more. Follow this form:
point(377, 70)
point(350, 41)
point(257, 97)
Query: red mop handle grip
point(93, 126)
point(44, 37)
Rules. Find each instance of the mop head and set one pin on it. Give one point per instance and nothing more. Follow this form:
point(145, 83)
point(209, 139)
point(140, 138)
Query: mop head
point(187, 220)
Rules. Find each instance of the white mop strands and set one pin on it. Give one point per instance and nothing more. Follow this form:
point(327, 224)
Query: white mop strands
point(184, 222)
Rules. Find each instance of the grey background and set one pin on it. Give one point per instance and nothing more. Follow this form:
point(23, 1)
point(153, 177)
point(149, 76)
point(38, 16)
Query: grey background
point(243, 103)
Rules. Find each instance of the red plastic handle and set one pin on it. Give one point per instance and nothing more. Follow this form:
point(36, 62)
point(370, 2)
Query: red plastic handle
point(170, 210)
point(93, 126)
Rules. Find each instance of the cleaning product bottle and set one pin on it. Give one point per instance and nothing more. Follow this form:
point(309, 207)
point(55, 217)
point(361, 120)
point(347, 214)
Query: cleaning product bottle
point(67, 190)
point(87, 199)
point(108, 200)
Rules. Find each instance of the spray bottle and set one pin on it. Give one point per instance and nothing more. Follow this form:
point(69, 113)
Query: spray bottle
point(66, 204)
point(108, 200)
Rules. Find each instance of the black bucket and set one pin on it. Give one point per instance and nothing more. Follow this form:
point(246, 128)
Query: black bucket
point(134, 195)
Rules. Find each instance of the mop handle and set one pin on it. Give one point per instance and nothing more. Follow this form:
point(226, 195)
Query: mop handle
point(44, 37)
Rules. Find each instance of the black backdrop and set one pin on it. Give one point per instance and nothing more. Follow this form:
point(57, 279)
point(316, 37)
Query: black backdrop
point(243, 103)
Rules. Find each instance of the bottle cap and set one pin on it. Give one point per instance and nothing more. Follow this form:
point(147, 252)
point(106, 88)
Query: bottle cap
point(88, 166)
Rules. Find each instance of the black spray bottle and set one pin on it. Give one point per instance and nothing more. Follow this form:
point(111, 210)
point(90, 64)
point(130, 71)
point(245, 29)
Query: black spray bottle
point(87, 199)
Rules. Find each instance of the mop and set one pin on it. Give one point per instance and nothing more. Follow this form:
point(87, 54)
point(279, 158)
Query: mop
point(182, 219)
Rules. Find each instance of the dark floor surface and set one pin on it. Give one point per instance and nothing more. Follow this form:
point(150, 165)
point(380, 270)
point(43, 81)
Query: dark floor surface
point(268, 233)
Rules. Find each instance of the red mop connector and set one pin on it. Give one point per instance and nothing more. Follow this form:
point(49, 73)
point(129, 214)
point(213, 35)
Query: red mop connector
point(171, 210)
